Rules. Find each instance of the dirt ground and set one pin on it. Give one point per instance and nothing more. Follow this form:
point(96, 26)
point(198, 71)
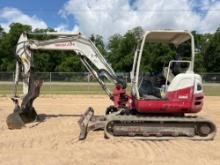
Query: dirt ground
point(55, 141)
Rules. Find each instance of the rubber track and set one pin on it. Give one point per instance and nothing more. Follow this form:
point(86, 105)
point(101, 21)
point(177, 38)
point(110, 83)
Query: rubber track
point(127, 121)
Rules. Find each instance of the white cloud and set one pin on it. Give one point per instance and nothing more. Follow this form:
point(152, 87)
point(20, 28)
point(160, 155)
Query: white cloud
point(212, 19)
point(65, 28)
point(107, 17)
point(9, 15)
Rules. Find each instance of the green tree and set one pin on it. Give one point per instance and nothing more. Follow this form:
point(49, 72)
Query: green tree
point(212, 53)
point(156, 56)
point(121, 49)
point(201, 42)
point(70, 64)
point(1, 32)
point(99, 43)
point(45, 60)
point(7, 47)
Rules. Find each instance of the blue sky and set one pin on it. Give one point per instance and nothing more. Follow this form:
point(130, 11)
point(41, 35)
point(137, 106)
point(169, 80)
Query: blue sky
point(47, 10)
point(107, 17)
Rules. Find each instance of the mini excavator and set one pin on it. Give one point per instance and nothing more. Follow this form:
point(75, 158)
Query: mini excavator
point(149, 112)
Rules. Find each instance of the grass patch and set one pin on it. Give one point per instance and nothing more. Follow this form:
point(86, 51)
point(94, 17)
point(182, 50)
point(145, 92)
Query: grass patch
point(86, 88)
point(62, 88)
point(212, 90)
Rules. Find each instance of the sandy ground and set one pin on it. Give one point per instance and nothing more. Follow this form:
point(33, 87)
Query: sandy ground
point(55, 141)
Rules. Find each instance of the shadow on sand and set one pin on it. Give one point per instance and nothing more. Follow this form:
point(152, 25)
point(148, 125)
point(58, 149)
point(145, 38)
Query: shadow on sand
point(43, 117)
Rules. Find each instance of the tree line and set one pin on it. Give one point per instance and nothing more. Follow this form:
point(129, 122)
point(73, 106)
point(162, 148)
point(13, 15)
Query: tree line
point(119, 52)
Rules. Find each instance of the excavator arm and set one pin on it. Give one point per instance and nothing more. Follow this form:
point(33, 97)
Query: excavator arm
point(75, 42)
point(82, 46)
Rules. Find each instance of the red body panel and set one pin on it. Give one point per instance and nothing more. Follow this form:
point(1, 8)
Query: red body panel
point(117, 92)
point(180, 101)
point(176, 102)
point(120, 97)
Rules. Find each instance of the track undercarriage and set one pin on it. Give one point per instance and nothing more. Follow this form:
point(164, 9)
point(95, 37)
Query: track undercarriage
point(145, 127)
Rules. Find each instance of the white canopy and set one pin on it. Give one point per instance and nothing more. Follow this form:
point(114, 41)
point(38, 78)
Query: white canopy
point(168, 36)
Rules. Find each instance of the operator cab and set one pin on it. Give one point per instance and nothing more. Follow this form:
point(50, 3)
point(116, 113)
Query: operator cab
point(170, 86)
point(154, 85)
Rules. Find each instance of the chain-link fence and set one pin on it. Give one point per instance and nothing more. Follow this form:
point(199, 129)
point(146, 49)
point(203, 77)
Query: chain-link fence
point(84, 82)
point(60, 82)
point(211, 77)
point(62, 76)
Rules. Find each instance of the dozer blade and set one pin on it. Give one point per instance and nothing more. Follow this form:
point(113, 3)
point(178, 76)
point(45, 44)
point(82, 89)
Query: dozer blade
point(88, 122)
point(25, 113)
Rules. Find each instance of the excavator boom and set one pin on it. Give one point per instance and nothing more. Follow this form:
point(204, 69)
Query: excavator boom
point(80, 45)
point(75, 42)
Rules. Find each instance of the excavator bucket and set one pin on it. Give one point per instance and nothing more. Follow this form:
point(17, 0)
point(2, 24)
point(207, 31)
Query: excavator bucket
point(24, 113)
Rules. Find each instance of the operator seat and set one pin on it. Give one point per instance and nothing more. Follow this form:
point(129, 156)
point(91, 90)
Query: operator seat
point(147, 90)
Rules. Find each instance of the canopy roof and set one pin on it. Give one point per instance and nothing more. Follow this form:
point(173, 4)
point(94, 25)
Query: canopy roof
point(168, 36)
